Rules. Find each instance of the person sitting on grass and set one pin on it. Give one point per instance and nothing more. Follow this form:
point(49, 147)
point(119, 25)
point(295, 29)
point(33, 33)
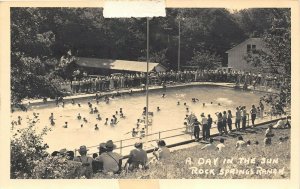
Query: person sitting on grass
point(280, 124)
point(137, 158)
point(209, 146)
point(240, 144)
point(86, 168)
point(112, 161)
point(221, 145)
point(268, 141)
point(163, 151)
point(269, 131)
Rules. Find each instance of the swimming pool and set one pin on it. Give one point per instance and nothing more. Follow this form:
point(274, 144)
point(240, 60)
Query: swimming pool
point(170, 116)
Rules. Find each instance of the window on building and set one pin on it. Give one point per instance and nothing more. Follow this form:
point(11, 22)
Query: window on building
point(253, 47)
point(248, 48)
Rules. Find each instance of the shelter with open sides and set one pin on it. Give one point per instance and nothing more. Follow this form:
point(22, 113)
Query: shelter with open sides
point(109, 66)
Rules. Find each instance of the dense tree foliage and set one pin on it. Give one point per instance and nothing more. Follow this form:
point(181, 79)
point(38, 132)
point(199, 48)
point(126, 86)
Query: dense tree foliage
point(41, 36)
point(277, 37)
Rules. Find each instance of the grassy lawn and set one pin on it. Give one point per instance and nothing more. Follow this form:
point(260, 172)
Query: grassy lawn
point(253, 162)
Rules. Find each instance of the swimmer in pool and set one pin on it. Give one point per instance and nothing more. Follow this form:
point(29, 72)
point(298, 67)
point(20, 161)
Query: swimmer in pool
point(115, 119)
point(81, 125)
point(187, 109)
point(51, 116)
point(116, 112)
point(79, 116)
point(219, 104)
point(112, 122)
point(142, 133)
point(134, 132)
point(121, 115)
point(98, 117)
point(184, 104)
point(97, 102)
point(178, 103)
point(91, 111)
point(79, 105)
point(203, 104)
point(158, 109)
point(65, 125)
point(106, 120)
point(96, 127)
point(85, 120)
point(164, 95)
point(96, 110)
point(72, 102)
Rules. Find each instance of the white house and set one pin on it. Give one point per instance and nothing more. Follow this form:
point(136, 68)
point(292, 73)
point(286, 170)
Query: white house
point(236, 55)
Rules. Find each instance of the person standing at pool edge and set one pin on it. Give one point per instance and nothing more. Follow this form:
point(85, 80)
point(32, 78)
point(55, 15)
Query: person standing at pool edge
point(204, 127)
point(196, 129)
point(209, 123)
point(253, 113)
point(237, 119)
point(244, 117)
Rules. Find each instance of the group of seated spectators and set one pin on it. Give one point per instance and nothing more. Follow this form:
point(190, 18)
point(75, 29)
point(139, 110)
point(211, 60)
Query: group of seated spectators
point(109, 162)
point(117, 81)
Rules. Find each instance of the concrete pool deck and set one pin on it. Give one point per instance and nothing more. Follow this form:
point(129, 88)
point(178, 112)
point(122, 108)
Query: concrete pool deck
point(81, 96)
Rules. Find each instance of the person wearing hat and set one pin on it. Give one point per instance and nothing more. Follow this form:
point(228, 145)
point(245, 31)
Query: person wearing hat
point(112, 161)
point(86, 169)
point(163, 151)
point(137, 157)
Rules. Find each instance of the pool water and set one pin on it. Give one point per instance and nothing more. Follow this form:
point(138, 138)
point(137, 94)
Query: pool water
point(170, 116)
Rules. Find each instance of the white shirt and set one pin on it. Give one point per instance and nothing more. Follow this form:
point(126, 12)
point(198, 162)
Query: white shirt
point(204, 120)
point(220, 147)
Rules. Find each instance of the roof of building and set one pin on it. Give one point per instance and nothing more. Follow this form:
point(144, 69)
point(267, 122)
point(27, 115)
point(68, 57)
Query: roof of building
point(126, 65)
point(253, 40)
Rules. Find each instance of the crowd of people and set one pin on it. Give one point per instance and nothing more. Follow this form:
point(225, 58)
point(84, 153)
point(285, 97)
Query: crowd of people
point(118, 81)
point(108, 162)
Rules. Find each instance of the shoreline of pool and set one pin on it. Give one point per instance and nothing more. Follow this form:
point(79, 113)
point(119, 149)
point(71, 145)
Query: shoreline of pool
point(127, 91)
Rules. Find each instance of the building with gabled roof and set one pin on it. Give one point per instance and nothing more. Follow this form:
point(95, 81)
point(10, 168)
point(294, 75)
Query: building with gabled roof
point(236, 55)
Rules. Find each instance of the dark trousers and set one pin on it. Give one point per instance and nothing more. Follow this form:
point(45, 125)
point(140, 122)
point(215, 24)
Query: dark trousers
point(220, 127)
point(224, 125)
point(244, 120)
point(229, 122)
point(253, 117)
point(205, 131)
point(208, 131)
point(197, 132)
point(237, 124)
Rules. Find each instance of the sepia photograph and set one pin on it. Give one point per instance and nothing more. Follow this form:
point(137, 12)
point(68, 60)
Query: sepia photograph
point(202, 93)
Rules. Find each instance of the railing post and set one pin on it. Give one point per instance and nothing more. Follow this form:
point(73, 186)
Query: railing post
point(121, 147)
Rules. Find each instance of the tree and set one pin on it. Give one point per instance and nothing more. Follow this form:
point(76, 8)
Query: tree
point(205, 60)
point(26, 149)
